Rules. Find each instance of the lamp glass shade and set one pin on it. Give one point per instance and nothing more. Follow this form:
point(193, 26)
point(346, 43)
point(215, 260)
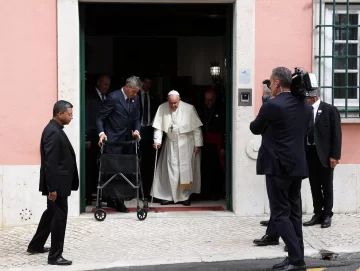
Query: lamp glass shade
point(215, 70)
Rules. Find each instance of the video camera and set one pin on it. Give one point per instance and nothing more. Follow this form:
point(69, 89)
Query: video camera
point(302, 83)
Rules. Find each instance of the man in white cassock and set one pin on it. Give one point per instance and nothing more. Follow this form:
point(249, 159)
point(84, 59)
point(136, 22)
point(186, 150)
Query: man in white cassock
point(177, 174)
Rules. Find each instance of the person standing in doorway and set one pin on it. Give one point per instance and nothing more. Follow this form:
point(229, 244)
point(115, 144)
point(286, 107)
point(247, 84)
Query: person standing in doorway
point(323, 153)
point(283, 122)
point(94, 100)
point(212, 115)
point(119, 120)
point(58, 177)
point(178, 171)
point(148, 106)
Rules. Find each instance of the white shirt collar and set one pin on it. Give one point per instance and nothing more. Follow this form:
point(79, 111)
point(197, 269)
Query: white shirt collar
point(98, 91)
point(316, 105)
point(126, 97)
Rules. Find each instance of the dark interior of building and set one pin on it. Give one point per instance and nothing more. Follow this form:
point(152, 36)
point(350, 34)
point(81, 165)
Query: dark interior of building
point(172, 43)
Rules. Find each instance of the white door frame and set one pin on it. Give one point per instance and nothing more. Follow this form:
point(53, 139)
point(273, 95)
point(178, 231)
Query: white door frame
point(243, 167)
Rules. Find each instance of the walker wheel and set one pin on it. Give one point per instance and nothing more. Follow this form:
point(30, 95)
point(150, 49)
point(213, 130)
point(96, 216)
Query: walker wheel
point(141, 214)
point(100, 215)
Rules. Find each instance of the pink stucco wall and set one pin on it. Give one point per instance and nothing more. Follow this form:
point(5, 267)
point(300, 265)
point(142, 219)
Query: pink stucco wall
point(283, 37)
point(350, 147)
point(29, 77)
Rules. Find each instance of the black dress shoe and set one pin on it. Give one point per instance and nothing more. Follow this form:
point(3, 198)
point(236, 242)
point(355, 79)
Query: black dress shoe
point(120, 206)
point(266, 240)
point(283, 264)
point(122, 209)
point(60, 261)
point(186, 202)
point(166, 202)
point(316, 219)
point(111, 203)
point(326, 223)
point(265, 223)
point(36, 251)
point(290, 267)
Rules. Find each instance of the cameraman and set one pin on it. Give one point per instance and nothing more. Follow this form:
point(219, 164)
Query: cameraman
point(283, 122)
point(271, 237)
point(268, 238)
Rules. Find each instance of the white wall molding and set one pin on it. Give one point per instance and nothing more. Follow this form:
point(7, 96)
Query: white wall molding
point(247, 188)
point(68, 35)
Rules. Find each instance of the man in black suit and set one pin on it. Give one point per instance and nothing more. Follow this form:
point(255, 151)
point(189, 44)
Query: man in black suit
point(58, 176)
point(119, 120)
point(94, 100)
point(148, 106)
point(323, 153)
point(283, 122)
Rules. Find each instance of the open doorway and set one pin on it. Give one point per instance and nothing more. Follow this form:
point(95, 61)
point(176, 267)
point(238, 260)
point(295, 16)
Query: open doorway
point(173, 46)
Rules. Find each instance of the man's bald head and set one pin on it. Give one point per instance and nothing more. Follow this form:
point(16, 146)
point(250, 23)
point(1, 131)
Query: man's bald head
point(210, 98)
point(103, 83)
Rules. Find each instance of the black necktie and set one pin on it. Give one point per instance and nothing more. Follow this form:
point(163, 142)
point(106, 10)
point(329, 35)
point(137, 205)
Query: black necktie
point(311, 130)
point(103, 97)
point(146, 110)
point(128, 101)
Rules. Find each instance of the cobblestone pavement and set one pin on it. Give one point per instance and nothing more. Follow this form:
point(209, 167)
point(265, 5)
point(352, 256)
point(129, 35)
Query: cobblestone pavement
point(122, 240)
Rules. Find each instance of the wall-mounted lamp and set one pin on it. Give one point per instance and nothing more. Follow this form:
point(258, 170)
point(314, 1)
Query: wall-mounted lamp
point(215, 69)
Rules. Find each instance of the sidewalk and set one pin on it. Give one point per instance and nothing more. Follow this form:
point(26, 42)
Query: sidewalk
point(164, 238)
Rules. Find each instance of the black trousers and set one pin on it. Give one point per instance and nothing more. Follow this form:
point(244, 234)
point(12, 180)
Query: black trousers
point(285, 206)
point(53, 221)
point(271, 229)
point(321, 183)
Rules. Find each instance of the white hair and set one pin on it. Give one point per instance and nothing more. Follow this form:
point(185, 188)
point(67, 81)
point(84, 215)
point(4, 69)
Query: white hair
point(134, 81)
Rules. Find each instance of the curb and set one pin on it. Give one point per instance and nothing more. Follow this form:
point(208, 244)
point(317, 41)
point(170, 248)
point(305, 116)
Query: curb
point(309, 253)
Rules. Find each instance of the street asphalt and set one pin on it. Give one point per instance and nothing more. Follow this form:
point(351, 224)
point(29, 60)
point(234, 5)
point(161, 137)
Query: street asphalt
point(248, 265)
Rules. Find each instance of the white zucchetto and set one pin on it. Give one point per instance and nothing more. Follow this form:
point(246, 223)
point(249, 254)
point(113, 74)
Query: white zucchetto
point(173, 92)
